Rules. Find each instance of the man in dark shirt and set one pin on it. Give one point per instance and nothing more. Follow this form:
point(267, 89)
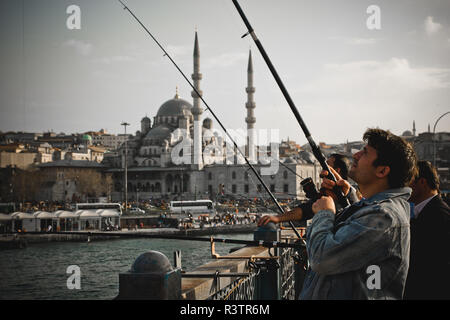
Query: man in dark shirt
point(428, 276)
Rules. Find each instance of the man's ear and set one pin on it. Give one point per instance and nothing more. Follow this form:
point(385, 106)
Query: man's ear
point(383, 171)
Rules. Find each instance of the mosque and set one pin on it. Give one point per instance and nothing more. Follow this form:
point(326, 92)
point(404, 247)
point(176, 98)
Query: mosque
point(178, 155)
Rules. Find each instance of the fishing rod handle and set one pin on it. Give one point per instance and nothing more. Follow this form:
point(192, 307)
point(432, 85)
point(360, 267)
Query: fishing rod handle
point(342, 199)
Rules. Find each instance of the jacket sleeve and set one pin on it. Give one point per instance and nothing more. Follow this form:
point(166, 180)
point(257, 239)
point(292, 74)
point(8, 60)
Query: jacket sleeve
point(357, 243)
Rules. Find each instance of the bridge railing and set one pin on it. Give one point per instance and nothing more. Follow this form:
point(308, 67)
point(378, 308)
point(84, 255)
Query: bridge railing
point(250, 273)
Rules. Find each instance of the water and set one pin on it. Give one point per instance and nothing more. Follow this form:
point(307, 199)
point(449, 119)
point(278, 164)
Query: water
point(39, 271)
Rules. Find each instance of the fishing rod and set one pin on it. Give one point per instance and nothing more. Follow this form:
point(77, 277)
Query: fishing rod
point(315, 149)
point(256, 243)
point(215, 117)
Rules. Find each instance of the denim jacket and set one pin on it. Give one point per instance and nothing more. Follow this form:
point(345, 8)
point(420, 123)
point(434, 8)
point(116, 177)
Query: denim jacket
point(361, 253)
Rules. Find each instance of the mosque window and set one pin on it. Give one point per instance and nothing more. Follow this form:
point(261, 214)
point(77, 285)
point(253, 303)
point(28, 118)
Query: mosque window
point(233, 175)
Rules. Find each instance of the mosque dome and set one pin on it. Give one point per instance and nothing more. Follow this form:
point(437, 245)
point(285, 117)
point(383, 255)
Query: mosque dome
point(289, 160)
point(407, 133)
point(87, 137)
point(207, 123)
point(145, 119)
point(175, 107)
point(160, 132)
point(307, 156)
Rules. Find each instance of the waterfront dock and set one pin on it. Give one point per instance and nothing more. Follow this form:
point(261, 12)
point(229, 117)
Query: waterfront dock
point(21, 240)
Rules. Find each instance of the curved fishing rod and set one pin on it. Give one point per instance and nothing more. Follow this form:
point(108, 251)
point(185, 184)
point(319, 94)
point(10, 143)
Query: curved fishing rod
point(215, 117)
point(260, 243)
point(315, 149)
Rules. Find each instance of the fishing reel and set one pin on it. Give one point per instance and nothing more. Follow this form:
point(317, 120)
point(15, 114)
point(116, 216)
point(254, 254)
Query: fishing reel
point(310, 189)
point(312, 194)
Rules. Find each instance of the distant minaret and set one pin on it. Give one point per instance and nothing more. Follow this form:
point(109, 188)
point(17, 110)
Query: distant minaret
point(414, 128)
point(197, 110)
point(250, 105)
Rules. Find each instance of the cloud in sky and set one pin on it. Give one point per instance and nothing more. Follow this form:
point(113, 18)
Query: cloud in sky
point(363, 91)
point(81, 47)
point(226, 60)
point(356, 41)
point(392, 76)
point(430, 26)
point(115, 59)
point(179, 50)
point(371, 93)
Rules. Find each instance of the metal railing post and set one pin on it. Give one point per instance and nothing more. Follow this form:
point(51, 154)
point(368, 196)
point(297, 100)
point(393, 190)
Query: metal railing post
point(268, 280)
point(151, 277)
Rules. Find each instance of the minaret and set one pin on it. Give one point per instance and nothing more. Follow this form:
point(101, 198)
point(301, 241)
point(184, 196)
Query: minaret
point(414, 128)
point(197, 110)
point(250, 105)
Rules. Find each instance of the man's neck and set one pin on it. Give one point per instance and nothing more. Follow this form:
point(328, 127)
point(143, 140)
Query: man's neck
point(372, 189)
point(425, 196)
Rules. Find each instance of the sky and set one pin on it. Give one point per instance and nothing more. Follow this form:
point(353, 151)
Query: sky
point(346, 66)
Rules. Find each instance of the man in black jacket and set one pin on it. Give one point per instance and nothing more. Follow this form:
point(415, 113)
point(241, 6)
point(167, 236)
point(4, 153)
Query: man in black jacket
point(428, 276)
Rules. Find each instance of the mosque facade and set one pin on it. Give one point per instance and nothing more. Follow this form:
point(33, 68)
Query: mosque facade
point(179, 155)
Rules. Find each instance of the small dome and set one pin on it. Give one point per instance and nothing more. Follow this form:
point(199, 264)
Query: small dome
point(407, 133)
point(145, 119)
point(86, 137)
point(151, 262)
point(207, 123)
point(290, 160)
point(160, 132)
point(307, 156)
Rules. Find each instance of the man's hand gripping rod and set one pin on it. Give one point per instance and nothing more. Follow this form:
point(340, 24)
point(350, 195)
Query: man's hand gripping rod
point(343, 201)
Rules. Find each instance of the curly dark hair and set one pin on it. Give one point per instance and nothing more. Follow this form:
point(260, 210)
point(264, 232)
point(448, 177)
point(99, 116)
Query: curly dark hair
point(394, 152)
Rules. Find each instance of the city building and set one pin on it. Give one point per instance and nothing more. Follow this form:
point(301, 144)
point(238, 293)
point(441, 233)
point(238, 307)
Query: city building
point(73, 181)
point(109, 141)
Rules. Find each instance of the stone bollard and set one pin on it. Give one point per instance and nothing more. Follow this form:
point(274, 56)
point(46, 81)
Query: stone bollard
point(151, 277)
point(268, 281)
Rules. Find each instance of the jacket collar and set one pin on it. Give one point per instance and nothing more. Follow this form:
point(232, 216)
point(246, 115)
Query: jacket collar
point(375, 199)
point(386, 195)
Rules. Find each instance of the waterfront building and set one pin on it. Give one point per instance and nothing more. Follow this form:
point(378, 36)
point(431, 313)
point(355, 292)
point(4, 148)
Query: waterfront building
point(73, 181)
